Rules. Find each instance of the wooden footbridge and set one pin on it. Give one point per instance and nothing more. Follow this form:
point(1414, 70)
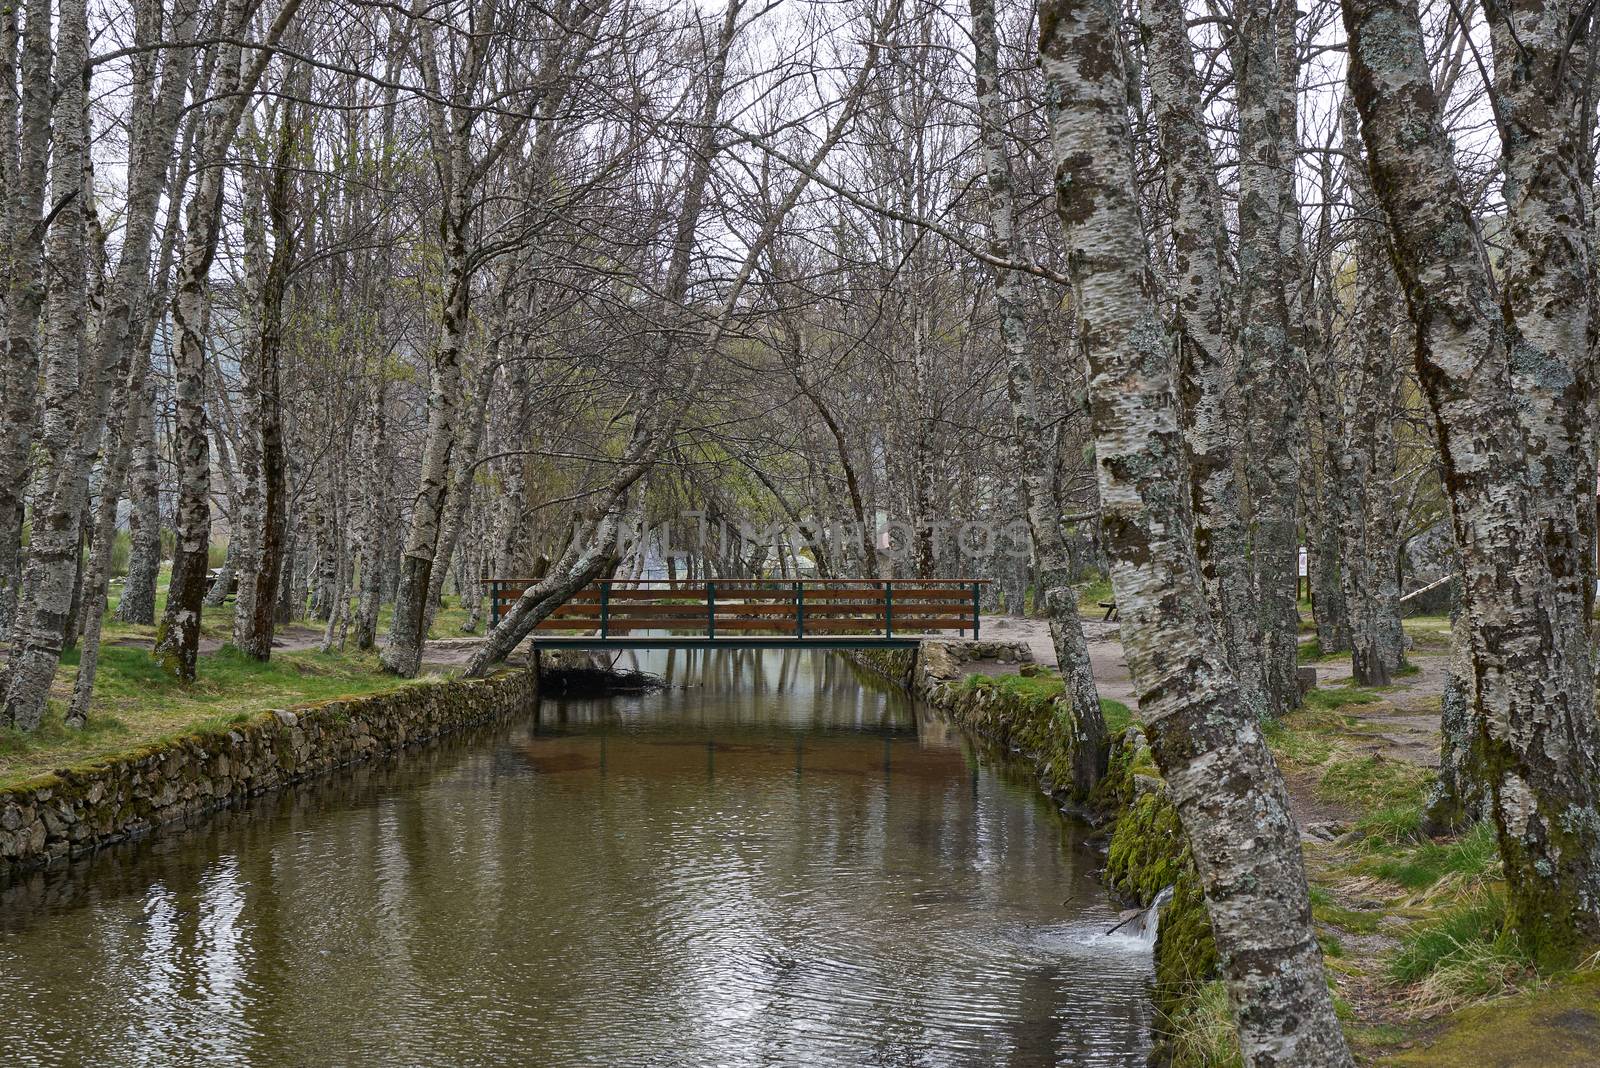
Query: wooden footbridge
point(752, 613)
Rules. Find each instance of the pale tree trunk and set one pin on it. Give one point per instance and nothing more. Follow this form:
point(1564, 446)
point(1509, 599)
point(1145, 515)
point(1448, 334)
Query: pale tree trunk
point(177, 643)
point(127, 411)
point(1508, 384)
point(402, 655)
point(217, 588)
point(1037, 498)
point(1325, 496)
point(465, 468)
point(123, 333)
point(24, 296)
point(138, 601)
point(451, 125)
point(1220, 775)
point(256, 609)
point(1268, 358)
point(71, 393)
point(1366, 463)
point(1208, 358)
point(373, 551)
point(247, 533)
point(1460, 793)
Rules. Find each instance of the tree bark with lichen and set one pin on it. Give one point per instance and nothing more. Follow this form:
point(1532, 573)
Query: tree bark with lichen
point(1221, 777)
point(1044, 523)
point(1507, 367)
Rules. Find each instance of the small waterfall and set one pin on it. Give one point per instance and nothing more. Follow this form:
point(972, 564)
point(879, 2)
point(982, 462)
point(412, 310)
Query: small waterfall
point(1144, 928)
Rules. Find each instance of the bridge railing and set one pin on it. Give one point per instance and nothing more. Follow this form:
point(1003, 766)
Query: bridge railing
point(795, 608)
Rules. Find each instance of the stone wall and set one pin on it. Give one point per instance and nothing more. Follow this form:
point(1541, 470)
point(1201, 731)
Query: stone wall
point(77, 810)
point(1146, 852)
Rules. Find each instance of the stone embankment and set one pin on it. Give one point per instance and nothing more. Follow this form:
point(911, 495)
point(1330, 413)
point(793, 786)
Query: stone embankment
point(74, 811)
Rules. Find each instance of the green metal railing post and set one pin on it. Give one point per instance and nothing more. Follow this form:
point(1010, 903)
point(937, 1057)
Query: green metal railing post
point(888, 610)
point(975, 587)
point(799, 610)
point(711, 609)
point(605, 609)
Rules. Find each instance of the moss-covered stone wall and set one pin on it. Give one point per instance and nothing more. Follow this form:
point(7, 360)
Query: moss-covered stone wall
point(1147, 852)
point(76, 810)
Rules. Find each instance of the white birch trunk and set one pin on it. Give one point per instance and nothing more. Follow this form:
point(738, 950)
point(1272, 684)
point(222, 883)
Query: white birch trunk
point(1219, 772)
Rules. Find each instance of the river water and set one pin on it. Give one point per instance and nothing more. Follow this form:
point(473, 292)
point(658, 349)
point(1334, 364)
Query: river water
point(769, 863)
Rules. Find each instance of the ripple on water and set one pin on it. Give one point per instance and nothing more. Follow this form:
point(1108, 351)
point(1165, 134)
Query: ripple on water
point(703, 876)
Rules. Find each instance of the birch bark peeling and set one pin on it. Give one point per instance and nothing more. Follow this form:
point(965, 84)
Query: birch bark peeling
point(1229, 795)
point(1492, 402)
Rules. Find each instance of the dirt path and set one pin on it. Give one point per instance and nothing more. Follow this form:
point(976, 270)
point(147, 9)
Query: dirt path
point(1404, 725)
point(1105, 650)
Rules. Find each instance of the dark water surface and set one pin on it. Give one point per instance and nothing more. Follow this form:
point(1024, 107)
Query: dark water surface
point(768, 864)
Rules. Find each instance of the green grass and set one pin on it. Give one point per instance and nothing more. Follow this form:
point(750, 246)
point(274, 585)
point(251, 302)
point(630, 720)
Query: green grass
point(136, 703)
point(1373, 782)
point(1118, 716)
point(1462, 955)
point(1040, 687)
point(1047, 684)
point(1096, 590)
point(1396, 823)
point(1310, 652)
point(1330, 697)
point(1202, 1033)
point(1474, 856)
point(1297, 745)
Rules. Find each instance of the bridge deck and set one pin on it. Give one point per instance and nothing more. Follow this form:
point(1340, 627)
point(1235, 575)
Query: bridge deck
point(752, 613)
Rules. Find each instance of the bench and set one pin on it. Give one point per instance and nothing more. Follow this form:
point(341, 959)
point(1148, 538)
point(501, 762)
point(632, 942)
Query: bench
point(1111, 611)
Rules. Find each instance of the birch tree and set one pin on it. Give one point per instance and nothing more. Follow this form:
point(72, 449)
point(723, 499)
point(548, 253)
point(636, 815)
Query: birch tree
point(1038, 502)
point(73, 390)
point(1221, 777)
point(24, 235)
point(1208, 354)
point(1507, 366)
point(1266, 339)
point(177, 643)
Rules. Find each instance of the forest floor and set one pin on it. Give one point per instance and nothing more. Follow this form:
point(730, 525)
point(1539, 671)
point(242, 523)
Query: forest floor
point(1410, 924)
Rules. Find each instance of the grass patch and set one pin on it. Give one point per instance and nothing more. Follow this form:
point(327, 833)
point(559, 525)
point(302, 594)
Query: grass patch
point(1331, 697)
point(1044, 686)
point(1373, 782)
point(1118, 716)
point(136, 703)
point(1397, 823)
point(1203, 1033)
point(1439, 941)
point(1465, 955)
point(1096, 590)
point(1474, 858)
point(1298, 746)
point(1312, 651)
